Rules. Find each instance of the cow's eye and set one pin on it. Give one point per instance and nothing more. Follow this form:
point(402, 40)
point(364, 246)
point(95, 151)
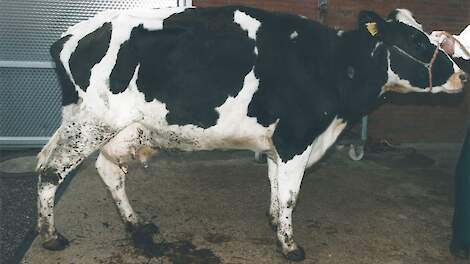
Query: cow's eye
point(421, 45)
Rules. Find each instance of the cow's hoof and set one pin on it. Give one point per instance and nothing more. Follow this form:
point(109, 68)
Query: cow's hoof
point(296, 255)
point(57, 243)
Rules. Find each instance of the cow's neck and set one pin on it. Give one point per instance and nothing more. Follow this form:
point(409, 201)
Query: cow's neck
point(363, 72)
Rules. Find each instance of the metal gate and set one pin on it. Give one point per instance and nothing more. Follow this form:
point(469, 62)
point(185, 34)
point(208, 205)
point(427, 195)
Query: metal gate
point(30, 96)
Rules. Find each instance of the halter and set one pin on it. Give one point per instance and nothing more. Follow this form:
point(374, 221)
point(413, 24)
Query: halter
point(428, 65)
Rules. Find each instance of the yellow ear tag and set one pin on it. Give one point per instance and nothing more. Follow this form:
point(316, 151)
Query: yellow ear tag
point(372, 28)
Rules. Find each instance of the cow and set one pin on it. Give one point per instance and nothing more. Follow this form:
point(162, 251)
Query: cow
point(233, 77)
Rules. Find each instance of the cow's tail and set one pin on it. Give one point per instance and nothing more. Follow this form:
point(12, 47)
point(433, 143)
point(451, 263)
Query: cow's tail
point(69, 92)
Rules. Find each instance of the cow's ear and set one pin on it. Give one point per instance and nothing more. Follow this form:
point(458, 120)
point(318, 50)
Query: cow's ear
point(371, 22)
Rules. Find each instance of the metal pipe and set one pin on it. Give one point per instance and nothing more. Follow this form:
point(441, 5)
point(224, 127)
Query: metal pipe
point(22, 142)
point(27, 64)
point(365, 121)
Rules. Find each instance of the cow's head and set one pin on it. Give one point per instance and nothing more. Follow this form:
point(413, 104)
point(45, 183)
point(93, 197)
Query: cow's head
point(415, 63)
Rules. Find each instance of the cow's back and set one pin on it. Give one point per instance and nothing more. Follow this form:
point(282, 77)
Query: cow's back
point(225, 75)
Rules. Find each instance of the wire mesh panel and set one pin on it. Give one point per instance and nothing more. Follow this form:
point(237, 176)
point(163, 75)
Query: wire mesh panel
point(28, 27)
point(30, 100)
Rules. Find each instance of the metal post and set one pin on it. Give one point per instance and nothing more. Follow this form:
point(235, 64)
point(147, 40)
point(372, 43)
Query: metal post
point(322, 10)
point(365, 121)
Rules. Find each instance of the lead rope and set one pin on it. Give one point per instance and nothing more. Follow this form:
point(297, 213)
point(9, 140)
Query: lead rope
point(430, 64)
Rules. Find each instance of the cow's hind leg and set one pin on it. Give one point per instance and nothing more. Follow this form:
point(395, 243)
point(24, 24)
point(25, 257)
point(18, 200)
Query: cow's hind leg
point(70, 145)
point(290, 176)
point(113, 177)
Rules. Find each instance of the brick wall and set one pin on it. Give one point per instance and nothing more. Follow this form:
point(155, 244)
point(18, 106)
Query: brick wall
point(411, 117)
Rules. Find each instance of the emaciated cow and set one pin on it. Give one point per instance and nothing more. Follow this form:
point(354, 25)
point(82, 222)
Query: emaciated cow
point(228, 77)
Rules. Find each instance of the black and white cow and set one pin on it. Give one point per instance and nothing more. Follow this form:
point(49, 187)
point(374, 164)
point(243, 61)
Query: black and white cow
point(229, 77)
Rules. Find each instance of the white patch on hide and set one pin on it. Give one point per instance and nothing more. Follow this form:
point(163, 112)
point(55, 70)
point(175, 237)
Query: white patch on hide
point(233, 130)
point(247, 23)
point(405, 16)
point(98, 99)
point(293, 35)
point(324, 141)
point(289, 176)
point(396, 84)
point(377, 45)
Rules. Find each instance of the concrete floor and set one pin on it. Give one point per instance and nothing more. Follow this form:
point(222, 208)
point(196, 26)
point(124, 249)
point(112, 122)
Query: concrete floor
point(390, 208)
point(17, 202)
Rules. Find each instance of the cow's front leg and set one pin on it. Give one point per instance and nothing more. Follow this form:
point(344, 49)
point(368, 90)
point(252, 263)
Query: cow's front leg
point(113, 177)
point(70, 145)
point(290, 175)
point(274, 205)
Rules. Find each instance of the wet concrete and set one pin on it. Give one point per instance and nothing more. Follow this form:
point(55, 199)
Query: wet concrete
point(389, 208)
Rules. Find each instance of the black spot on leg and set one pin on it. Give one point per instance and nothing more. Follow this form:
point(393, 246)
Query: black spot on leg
point(290, 203)
point(50, 175)
point(120, 184)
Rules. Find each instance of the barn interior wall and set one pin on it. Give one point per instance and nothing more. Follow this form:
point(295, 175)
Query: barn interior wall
point(402, 118)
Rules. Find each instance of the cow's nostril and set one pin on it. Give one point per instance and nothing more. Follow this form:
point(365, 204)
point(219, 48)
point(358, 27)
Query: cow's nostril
point(463, 77)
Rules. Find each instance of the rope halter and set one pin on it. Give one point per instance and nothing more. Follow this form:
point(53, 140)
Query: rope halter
point(428, 65)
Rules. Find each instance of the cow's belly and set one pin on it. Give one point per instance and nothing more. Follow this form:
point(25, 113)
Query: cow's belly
point(241, 134)
point(141, 140)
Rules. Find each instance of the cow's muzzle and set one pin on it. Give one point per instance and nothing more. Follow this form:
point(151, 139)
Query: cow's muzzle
point(455, 83)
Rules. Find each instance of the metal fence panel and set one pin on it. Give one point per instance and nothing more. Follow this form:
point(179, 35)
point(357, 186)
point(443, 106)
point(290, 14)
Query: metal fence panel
point(30, 102)
point(28, 27)
point(29, 91)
